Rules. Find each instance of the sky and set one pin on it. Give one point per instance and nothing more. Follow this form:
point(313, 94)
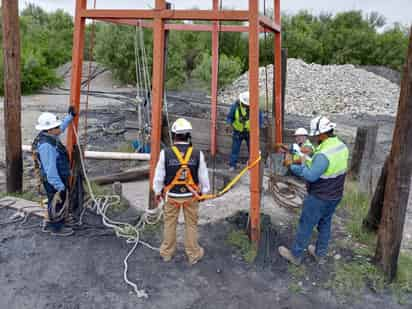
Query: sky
point(394, 11)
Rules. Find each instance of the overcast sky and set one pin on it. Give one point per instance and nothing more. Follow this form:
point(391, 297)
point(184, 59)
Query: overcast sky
point(394, 11)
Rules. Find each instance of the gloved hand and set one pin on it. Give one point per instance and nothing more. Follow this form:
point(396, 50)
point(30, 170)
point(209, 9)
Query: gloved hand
point(297, 161)
point(72, 111)
point(281, 148)
point(306, 150)
point(287, 162)
point(158, 198)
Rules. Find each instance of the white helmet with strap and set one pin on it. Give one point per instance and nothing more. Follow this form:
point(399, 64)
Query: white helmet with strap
point(47, 121)
point(301, 131)
point(181, 126)
point(321, 125)
point(244, 98)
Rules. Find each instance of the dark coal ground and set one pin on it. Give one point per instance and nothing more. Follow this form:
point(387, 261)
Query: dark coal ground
point(86, 271)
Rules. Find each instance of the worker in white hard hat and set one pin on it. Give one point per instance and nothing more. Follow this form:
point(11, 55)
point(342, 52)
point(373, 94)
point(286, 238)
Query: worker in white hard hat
point(52, 159)
point(302, 149)
point(325, 176)
point(181, 175)
point(238, 119)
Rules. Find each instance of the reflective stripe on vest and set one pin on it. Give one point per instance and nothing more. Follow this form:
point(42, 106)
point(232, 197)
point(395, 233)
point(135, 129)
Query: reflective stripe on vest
point(241, 121)
point(337, 154)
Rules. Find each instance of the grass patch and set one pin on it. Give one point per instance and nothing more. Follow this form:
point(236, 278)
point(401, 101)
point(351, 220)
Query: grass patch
point(403, 282)
point(240, 240)
point(105, 190)
point(297, 271)
point(26, 195)
point(356, 205)
point(295, 288)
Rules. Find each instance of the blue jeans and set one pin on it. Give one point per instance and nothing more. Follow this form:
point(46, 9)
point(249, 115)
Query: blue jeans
point(237, 138)
point(53, 224)
point(316, 212)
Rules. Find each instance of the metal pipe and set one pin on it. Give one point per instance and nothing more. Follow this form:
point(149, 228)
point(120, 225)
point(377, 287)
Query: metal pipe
point(278, 76)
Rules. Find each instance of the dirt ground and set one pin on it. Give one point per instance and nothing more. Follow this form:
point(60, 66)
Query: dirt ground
point(85, 271)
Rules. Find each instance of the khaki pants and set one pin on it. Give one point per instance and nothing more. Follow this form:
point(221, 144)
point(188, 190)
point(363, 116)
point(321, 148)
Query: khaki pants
point(171, 214)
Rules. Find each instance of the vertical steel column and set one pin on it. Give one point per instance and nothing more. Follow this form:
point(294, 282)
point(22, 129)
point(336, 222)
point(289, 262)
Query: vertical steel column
point(157, 92)
point(214, 88)
point(254, 119)
point(77, 68)
point(278, 76)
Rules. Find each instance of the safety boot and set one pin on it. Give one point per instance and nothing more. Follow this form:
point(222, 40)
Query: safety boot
point(319, 259)
point(63, 231)
point(288, 255)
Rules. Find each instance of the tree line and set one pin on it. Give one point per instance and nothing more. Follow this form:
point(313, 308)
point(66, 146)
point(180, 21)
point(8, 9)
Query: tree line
point(348, 37)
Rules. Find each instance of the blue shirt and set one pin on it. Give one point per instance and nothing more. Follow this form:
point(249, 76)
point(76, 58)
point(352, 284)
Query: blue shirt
point(48, 158)
point(231, 116)
point(320, 164)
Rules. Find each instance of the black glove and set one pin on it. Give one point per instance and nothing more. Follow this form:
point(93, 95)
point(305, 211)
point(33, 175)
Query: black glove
point(72, 111)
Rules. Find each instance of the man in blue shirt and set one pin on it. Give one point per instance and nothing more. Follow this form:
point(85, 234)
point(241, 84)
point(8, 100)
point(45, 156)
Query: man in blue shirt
point(53, 161)
point(238, 119)
point(325, 176)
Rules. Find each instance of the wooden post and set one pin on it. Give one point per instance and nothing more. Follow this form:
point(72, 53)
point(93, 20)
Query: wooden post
point(12, 96)
point(363, 157)
point(372, 220)
point(254, 119)
point(157, 93)
point(278, 75)
point(399, 179)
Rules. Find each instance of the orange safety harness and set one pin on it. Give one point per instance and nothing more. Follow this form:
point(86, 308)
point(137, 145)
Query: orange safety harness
point(184, 177)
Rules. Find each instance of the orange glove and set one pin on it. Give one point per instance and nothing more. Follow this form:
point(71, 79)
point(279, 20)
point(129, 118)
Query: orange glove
point(287, 162)
point(298, 161)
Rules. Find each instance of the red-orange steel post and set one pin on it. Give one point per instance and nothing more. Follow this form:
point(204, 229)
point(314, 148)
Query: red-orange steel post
point(77, 66)
point(214, 86)
point(278, 76)
point(157, 91)
point(254, 119)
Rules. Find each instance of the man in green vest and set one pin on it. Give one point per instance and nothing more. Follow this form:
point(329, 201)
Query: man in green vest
point(303, 147)
point(325, 177)
point(238, 119)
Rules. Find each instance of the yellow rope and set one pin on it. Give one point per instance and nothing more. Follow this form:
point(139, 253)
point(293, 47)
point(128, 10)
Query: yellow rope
point(231, 183)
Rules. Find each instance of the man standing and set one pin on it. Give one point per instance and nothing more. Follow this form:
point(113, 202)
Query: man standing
point(53, 161)
point(325, 176)
point(303, 147)
point(180, 177)
point(238, 119)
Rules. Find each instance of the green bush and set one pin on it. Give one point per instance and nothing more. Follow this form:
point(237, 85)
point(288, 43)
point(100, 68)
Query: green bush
point(229, 69)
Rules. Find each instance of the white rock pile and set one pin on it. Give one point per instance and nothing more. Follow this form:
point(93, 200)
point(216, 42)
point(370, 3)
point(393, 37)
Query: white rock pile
point(326, 89)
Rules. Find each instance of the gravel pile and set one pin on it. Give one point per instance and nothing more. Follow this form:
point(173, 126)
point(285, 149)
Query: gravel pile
point(326, 89)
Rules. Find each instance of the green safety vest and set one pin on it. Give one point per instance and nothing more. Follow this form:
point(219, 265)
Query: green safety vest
point(241, 121)
point(337, 154)
point(307, 143)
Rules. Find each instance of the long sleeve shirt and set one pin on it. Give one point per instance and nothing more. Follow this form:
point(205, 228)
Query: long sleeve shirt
point(319, 165)
point(48, 158)
point(230, 118)
point(160, 174)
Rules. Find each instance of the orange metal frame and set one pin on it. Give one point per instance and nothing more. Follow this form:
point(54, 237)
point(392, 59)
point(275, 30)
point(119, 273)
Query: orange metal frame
point(158, 16)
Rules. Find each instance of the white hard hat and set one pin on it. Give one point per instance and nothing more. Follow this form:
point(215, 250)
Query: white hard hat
point(47, 121)
point(181, 126)
point(301, 131)
point(244, 98)
point(321, 125)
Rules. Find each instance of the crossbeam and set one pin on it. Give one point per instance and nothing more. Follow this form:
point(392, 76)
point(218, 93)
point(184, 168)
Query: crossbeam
point(228, 15)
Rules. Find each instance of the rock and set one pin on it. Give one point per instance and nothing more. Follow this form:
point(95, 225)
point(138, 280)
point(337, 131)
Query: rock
point(326, 89)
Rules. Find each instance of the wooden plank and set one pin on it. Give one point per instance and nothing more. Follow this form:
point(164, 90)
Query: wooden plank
point(398, 180)
point(22, 205)
point(12, 96)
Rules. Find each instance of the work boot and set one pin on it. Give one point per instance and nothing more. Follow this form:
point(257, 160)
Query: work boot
point(287, 254)
point(63, 231)
point(71, 221)
point(198, 258)
point(319, 259)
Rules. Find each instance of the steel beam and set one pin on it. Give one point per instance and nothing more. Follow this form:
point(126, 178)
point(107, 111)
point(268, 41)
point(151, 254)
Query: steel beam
point(157, 92)
point(214, 82)
point(77, 68)
point(254, 119)
point(228, 15)
point(278, 76)
point(267, 23)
